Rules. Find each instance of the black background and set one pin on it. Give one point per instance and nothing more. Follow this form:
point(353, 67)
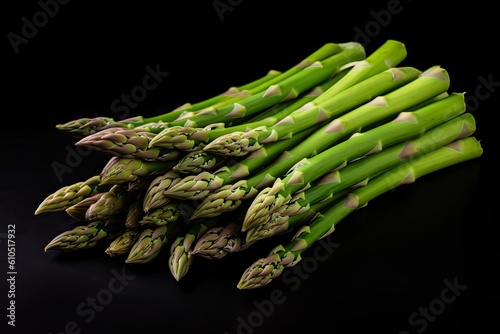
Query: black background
point(393, 256)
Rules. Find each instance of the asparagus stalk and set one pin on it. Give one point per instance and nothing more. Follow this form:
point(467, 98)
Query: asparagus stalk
point(390, 54)
point(324, 192)
point(86, 236)
point(405, 126)
point(370, 78)
point(180, 258)
point(70, 195)
point(147, 247)
point(431, 83)
point(198, 186)
point(83, 127)
point(264, 270)
point(312, 94)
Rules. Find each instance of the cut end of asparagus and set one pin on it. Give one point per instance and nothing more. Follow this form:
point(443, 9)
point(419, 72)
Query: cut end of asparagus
point(436, 72)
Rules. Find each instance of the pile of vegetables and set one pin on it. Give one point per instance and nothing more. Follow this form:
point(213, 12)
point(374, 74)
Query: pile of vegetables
point(293, 151)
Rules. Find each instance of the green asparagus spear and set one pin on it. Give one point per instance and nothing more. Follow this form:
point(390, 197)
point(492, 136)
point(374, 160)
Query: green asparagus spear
point(405, 126)
point(324, 192)
point(264, 270)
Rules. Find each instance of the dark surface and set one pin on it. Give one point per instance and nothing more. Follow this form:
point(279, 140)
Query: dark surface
point(393, 257)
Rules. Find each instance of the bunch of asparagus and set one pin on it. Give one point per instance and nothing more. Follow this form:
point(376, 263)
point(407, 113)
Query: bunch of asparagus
point(293, 151)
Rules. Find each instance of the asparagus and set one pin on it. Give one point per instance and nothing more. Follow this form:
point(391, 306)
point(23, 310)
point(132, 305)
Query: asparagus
point(368, 79)
point(264, 270)
point(123, 170)
point(154, 197)
point(431, 83)
point(324, 192)
point(127, 143)
point(86, 236)
point(70, 195)
point(112, 202)
point(180, 258)
point(83, 127)
point(405, 126)
point(148, 245)
point(122, 243)
point(198, 186)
